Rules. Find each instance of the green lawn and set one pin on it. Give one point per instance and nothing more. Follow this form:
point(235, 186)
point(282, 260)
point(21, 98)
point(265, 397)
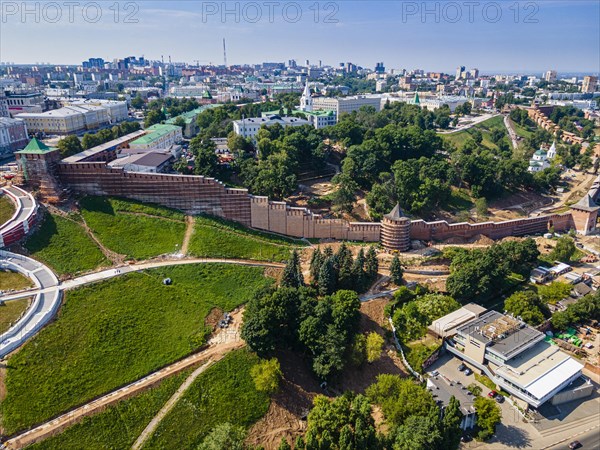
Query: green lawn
point(7, 209)
point(418, 351)
point(136, 230)
point(459, 139)
point(13, 280)
point(11, 311)
point(460, 200)
point(223, 239)
point(224, 393)
point(521, 131)
point(111, 333)
point(64, 245)
point(119, 426)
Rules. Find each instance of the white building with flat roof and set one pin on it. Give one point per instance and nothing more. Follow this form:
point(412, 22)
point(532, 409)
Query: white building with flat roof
point(513, 355)
point(249, 127)
point(341, 105)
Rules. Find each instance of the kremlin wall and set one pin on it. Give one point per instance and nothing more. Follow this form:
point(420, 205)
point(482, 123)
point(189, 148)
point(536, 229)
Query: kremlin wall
point(42, 170)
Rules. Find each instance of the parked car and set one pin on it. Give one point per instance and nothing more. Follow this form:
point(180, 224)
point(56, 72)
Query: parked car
point(468, 371)
point(466, 438)
point(492, 394)
point(462, 367)
point(435, 373)
point(499, 398)
point(575, 444)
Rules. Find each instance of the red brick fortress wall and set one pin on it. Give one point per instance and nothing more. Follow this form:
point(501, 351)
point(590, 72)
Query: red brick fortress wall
point(192, 194)
point(197, 194)
point(442, 230)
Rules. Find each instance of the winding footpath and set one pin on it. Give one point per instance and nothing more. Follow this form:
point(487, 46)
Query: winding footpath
point(48, 292)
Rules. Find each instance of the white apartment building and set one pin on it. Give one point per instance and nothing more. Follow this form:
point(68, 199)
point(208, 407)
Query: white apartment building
point(116, 111)
point(341, 105)
point(195, 91)
point(249, 127)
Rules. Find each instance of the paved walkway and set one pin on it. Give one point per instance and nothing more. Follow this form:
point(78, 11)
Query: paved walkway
point(511, 132)
point(475, 121)
point(18, 225)
point(49, 291)
point(45, 304)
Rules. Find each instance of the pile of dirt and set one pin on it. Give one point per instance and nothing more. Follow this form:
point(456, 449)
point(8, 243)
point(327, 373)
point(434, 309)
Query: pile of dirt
point(481, 239)
point(511, 239)
point(372, 317)
point(284, 419)
point(213, 318)
point(289, 407)
point(455, 240)
point(273, 272)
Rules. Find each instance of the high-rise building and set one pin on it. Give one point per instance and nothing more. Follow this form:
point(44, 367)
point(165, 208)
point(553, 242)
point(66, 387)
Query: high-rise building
point(590, 84)
point(3, 106)
point(550, 76)
point(460, 72)
point(379, 68)
point(474, 74)
point(93, 63)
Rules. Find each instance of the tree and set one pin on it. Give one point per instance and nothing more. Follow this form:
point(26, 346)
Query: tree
point(206, 161)
point(224, 435)
point(400, 398)
point(481, 207)
point(396, 271)
point(180, 122)
point(419, 432)
point(292, 273)
point(564, 250)
point(488, 416)
point(451, 421)
point(137, 102)
point(316, 261)
point(358, 350)
point(371, 264)
point(343, 423)
point(284, 445)
point(69, 145)
point(527, 306)
point(474, 389)
point(327, 278)
point(358, 271)
point(267, 375)
point(153, 117)
point(374, 345)
point(554, 292)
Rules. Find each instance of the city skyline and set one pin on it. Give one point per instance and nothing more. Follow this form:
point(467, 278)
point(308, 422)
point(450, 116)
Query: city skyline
point(410, 35)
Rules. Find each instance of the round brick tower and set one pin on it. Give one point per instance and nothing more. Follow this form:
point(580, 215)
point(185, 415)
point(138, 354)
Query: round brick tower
point(395, 231)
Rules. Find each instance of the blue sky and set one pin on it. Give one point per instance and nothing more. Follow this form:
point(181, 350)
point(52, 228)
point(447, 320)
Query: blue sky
point(438, 36)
